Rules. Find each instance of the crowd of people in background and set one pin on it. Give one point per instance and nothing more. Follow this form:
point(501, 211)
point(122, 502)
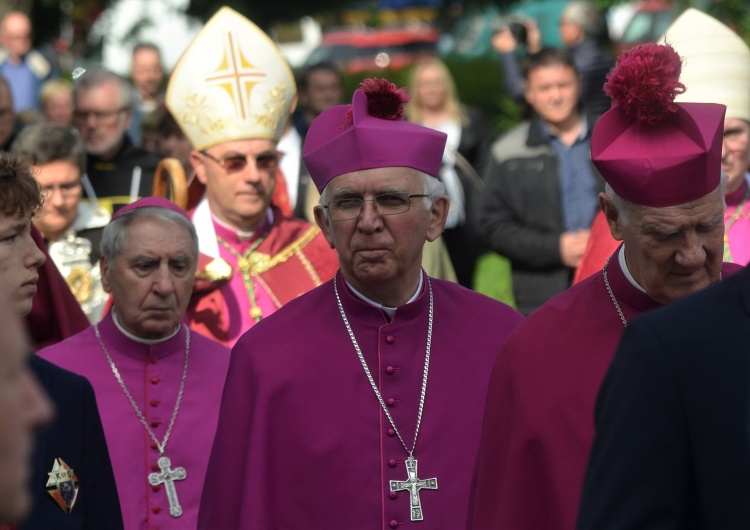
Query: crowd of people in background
point(201, 248)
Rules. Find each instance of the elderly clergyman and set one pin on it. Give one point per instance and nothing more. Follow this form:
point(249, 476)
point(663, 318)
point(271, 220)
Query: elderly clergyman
point(157, 384)
point(664, 200)
point(376, 371)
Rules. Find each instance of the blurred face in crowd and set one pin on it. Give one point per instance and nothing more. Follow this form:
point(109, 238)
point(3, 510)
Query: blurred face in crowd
point(673, 251)
point(152, 277)
point(7, 118)
point(58, 108)
point(553, 92)
point(101, 119)
point(570, 33)
point(431, 87)
point(20, 258)
point(380, 255)
point(323, 91)
point(147, 72)
point(239, 177)
point(60, 182)
point(16, 34)
point(735, 156)
point(24, 408)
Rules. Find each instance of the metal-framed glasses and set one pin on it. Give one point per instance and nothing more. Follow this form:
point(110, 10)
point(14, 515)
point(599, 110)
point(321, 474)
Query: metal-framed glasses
point(98, 115)
point(268, 161)
point(66, 190)
point(346, 208)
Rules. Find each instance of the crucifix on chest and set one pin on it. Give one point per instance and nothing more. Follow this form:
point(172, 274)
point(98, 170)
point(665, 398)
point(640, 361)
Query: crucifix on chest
point(413, 485)
point(167, 477)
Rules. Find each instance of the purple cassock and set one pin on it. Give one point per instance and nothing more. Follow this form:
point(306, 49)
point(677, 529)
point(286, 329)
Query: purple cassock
point(539, 422)
point(303, 442)
point(152, 374)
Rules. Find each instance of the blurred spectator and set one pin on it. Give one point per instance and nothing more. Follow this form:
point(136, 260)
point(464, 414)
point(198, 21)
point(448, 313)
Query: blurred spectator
point(8, 125)
point(72, 228)
point(319, 88)
point(24, 68)
point(56, 99)
point(147, 74)
point(435, 104)
point(583, 30)
point(149, 130)
point(541, 187)
point(118, 171)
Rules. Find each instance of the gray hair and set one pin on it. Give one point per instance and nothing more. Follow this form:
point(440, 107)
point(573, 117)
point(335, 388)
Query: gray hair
point(98, 77)
point(48, 142)
point(588, 17)
point(433, 188)
point(626, 209)
point(113, 237)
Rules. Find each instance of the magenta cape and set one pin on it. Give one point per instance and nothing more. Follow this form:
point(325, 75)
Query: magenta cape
point(302, 441)
point(539, 422)
point(152, 374)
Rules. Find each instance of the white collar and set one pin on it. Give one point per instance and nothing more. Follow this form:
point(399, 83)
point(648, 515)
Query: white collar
point(148, 342)
point(390, 311)
point(203, 220)
point(626, 271)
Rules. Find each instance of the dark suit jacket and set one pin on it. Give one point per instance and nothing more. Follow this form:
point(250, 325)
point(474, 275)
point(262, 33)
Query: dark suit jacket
point(77, 437)
point(672, 448)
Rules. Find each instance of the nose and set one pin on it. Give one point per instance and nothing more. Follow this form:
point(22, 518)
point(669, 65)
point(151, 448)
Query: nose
point(692, 253)
point(163, 281)
point(33, 256)
point(369, 220)
point(55, 197)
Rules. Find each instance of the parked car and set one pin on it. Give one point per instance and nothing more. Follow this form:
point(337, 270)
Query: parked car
point(648, 23)
point(358, 50)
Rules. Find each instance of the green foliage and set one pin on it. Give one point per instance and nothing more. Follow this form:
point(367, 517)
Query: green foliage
point(478, 81)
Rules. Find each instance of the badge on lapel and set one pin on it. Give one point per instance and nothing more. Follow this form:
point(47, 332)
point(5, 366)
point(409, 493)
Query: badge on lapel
point(62, 485)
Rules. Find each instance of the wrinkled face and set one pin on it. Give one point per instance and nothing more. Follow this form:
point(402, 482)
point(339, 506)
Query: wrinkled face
point(146, 72)
point(431, 88)
point(378, 251)
point(152, 278)
point(238, 196)
point(60, 182)
point(24, 407)
point(59, 108)
point(7, 117)
point(101, 119)
point(672, 252)
point(323, 91)
point(16, 34)
point(20, 258)
point(553, 92)
point(735, 155)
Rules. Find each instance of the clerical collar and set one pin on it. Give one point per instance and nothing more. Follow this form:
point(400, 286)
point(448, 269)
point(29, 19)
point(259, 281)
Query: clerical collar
point(147, 342)
point(626, 272)
point(243, 235)
point(390, 311)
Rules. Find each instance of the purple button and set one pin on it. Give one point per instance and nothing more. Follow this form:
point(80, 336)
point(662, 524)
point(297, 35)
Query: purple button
point(391, 432)
point(389, 369)
point(389, 339)
point(391, 402)
point(393, 523)
point(393, 495)
point(392, 462)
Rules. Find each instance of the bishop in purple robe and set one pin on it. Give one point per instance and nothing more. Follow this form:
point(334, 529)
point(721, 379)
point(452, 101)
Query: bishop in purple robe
point(158, 385)
point(359, 404)
point(664, 201)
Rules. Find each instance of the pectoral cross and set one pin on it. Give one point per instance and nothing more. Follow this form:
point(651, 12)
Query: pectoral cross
point(413, 485)
point(167, 477)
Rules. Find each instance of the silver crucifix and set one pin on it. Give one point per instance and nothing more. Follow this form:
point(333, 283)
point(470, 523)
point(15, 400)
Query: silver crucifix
point(167, 477)
point(413, 485)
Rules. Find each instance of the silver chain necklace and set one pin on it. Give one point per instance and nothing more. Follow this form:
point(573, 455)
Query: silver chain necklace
point(612, 294)
point(412, 484)
point(167, 476)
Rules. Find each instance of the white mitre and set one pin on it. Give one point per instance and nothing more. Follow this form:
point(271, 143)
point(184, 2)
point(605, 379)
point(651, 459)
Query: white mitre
point(716, 62)
point(232, 83)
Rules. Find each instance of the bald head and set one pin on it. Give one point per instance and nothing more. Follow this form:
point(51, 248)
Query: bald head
point(15, 34)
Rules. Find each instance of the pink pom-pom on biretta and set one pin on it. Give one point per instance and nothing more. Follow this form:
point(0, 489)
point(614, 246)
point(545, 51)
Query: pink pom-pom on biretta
point(645, 82)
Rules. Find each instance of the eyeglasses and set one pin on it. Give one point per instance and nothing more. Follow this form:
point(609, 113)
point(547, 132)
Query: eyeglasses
point(66, 190)
point(98, 115)
point(236, 163)
point(348, 208)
